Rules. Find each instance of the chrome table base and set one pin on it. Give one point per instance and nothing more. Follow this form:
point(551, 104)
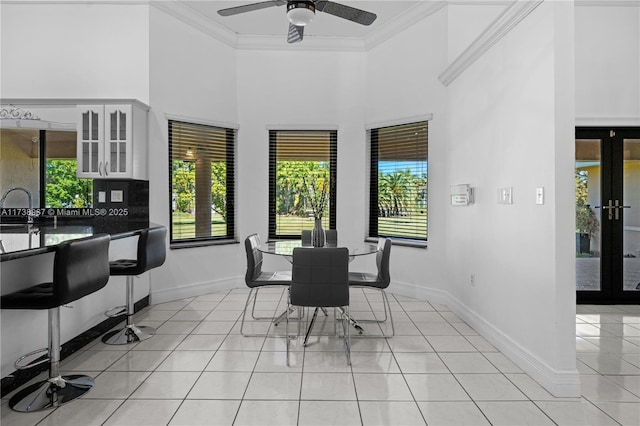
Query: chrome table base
point(129, 334)
point(51, 393)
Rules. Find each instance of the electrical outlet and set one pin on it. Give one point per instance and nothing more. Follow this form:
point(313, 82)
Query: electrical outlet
point(472, 280)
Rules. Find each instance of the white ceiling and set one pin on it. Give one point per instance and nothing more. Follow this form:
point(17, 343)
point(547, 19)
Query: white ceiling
point(273, 21)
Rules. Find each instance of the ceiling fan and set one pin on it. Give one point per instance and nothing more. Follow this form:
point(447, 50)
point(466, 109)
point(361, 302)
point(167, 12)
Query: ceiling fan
point(302, 12)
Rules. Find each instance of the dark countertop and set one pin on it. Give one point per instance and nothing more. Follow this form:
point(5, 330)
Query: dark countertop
point(18, 240)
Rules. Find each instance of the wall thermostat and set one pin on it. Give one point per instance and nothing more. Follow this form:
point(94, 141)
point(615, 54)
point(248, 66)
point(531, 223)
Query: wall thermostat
point(461, 195)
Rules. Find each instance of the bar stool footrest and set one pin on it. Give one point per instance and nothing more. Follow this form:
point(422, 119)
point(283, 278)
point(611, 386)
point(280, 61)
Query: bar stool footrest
point(51, 393)
point(116, 311)
point(33, 363)
point(129, 334)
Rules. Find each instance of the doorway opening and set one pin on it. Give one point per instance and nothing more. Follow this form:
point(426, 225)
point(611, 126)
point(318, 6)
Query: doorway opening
point(607, 174)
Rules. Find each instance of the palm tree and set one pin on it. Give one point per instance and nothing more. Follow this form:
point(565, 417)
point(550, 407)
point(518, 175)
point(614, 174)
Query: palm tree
point(398, 187)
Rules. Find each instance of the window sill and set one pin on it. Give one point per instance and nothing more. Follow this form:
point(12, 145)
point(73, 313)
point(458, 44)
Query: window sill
point(192, 244)
point(400, 242)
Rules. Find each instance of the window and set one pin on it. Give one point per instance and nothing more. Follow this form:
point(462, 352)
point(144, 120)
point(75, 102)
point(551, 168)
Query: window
point(46, 160)
point(398, 181)
point(201, 170)
point(62, 187)
point(299, 163)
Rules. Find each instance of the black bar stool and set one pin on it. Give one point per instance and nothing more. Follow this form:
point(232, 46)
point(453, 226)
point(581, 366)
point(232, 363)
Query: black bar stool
point(151, 254)
point(80, 267)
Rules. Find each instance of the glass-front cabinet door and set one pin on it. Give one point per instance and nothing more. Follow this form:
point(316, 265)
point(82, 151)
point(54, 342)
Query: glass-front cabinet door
point(607, 173)
point(118, 140)
point(105, 140)
point(90, 141)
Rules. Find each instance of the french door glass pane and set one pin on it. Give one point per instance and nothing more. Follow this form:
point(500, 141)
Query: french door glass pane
point(631, 215)
point(587, 177)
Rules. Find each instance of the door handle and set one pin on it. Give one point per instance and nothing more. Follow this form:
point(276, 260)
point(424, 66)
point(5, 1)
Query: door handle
point(618, 207)
point(609, 207)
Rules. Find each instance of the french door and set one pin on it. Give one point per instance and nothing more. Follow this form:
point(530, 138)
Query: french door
point(608, 215)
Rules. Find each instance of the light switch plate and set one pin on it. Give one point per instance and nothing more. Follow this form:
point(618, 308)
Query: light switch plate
point(116, 196)
point(505, 195)
point(540, 195)
point(102, 197)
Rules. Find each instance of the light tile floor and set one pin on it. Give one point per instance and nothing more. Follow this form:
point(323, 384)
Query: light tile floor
point(198, 370)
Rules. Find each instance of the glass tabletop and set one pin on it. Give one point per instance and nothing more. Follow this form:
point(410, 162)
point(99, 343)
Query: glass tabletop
point(285, 247)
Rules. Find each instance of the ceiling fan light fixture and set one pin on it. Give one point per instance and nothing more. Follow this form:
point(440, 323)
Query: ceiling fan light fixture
point(300, 13)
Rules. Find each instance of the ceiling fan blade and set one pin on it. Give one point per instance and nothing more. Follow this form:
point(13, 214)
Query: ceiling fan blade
point(250, 7)
point(295, 33)
point(346, 12)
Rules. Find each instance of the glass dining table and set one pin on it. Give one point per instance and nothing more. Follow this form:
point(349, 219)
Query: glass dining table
point(285, 248)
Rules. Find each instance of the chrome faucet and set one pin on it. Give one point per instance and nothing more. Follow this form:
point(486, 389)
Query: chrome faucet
point(19, 188)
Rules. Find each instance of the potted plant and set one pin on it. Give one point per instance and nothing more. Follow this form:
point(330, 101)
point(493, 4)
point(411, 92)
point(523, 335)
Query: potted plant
point(587, 225)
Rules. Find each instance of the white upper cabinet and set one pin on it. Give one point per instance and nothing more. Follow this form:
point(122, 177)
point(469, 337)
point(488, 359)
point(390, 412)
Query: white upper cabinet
point(90, 151)
point(112, 141)
point(118, 140)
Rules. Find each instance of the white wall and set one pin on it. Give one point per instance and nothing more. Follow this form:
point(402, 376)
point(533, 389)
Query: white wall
point(303, 90)
point(511, 125)
point(401, 83)
point(608, 65)
point(74, 51)
point(191, 76)
point(69, 51)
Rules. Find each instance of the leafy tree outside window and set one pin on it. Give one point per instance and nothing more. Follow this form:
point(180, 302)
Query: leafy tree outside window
point(64, 189)
point(202, 182)
point(302, 184)
point(398, 181)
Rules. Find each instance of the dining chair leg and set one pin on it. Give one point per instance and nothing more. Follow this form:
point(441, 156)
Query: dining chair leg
point(244, 312)
point(386, 299)
point(253, 307)
point(347, 336)
point(286, 334)
point(313, 321)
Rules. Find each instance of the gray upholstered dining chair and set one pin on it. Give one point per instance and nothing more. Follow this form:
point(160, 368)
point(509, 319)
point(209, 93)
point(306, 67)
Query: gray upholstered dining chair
point(379, 281)
point(331, 235)
point(321, 280)
point(255, 278)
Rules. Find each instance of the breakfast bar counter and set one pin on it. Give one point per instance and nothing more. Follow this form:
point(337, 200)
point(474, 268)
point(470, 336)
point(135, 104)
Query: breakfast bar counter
point(19, 240)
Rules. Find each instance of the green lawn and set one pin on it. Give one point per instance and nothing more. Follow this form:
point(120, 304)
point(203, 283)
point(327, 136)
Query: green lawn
point(184, 225)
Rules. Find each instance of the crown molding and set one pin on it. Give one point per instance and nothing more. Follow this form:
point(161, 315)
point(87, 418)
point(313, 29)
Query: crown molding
point(500, 27)
point(198, 21)
point(408, 18)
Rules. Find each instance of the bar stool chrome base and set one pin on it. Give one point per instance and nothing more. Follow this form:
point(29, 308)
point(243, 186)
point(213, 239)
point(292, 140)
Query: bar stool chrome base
point(129, 334)
point(51, 393)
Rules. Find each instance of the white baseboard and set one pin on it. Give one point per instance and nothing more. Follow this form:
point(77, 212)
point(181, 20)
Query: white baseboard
point(191, 290)
point(560, 383)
